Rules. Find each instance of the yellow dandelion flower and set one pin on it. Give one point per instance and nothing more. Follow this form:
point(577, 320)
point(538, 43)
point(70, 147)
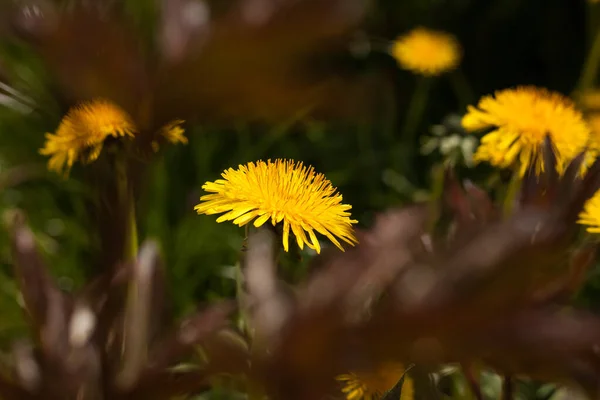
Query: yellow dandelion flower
point(281, 191)
point(172, 132)
point(81, 133)
point(427, 52)
point(590, 216)
point(522, 118)
point(373, 385)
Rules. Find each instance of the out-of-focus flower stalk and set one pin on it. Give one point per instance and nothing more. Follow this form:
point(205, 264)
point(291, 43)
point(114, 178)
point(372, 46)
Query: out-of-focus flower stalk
point(126, 200)
point(592, 61)
point(511, 191)
point(414, 115)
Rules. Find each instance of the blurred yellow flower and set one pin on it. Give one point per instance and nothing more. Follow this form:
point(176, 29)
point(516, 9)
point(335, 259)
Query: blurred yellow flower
point(427, 52)
point(281, 191)
point(373, 385)
point(172, 132)
point(522, 118)
point(81, 133)
point(590, 216)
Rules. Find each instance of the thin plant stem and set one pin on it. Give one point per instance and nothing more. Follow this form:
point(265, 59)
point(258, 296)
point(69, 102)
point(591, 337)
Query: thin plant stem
point(254, 390)
point(246, 234)
point(438, 175)
point(132, 233)
point(590, 67)
point(414, 116)
point(511, 192)
point(472, 381)
point(239, 283)
point(507, 388)
point(127, 201)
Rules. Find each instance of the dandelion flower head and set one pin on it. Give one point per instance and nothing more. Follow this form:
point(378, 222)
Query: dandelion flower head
point(590, 216)
point(520, 119)
point(426, 52)
point(172, 133)
point(373, 385)
point(281, 191)
point(81, 133)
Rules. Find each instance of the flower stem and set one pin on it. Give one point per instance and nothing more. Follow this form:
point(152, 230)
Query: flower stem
point(131, 250)
point(507, 388)
point(438, 177)
point(239, 284)
point(414, 115)
point(127, 202)
point(590, 67)
point(511, 192)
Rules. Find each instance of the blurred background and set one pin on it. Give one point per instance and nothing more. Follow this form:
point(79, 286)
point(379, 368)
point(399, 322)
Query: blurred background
point(246, 88)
